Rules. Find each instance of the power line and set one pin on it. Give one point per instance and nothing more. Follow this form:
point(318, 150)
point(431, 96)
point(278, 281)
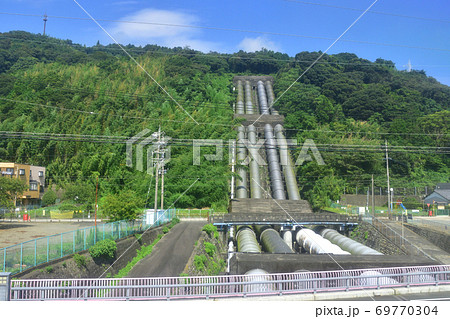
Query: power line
point(115, 115)
point(225, 56)
point(215, 124)
point(236, 30)
point(325, 147)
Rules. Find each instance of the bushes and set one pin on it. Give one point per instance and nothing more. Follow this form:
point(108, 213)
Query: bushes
point(210, 229)
point(200, 262)
point(79, 260)
point(103, 249)
point(49, 198)
point(210, 249)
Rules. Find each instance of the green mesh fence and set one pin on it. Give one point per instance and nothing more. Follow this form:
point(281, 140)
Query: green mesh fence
point(20, 257)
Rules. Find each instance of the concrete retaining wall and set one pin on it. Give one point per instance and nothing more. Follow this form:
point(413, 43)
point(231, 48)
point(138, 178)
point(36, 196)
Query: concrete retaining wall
point(438, 238)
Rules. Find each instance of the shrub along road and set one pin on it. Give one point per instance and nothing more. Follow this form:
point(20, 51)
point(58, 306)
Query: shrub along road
point(171, 254)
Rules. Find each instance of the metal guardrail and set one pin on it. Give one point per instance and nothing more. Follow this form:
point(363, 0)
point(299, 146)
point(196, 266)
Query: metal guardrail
point(160, 288)
point(20, 257)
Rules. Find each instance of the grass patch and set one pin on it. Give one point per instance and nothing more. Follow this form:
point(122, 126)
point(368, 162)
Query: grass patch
point(144, 251)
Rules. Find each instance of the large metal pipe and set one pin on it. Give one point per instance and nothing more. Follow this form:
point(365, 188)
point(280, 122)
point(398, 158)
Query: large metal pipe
point(287, 237)
point(255, 180)
point(286, 162)
point(240, 99)
point(241, 184)
point(346, 243)
point(276, 179)
point(262, 98)
point(246, 240)
point(249, 108)
point(272, 242)
point(316, 244)
point(262, 279)
point(270, 98)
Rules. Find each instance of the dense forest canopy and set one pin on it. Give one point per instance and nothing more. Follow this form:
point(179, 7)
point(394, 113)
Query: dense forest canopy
point(51, 86)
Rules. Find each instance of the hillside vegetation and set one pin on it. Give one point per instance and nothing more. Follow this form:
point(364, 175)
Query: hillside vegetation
point(51, 86)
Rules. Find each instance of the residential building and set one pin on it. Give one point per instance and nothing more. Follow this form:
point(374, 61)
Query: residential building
point(440, 196)
point(33, 176)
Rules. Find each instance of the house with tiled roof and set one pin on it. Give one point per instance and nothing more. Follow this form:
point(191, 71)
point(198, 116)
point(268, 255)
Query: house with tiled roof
point(440, 196)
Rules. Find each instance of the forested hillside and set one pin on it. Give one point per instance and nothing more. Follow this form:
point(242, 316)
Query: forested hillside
point(54, 88)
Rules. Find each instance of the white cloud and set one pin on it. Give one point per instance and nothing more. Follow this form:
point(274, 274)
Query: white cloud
point(162, 27)
point(256, 44)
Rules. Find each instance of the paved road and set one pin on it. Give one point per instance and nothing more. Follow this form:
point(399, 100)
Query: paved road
point(171, 254)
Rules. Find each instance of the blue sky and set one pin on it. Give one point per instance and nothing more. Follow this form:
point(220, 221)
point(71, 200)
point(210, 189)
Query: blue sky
point(396, 30)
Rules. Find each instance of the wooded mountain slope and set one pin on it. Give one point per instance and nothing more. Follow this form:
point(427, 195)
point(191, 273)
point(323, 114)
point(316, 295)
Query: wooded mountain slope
point(51, 86)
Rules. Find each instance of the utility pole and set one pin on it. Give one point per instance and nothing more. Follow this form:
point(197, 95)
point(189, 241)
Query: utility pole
point(45, 22)
point(388, 185)
point(373, 199)
point(162, 181)
point(95, 208)
point(157, 169)
point(233, 163)
point(160, 161)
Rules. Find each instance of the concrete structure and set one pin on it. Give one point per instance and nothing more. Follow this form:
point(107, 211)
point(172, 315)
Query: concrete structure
point(33, 176)
point(240, 263)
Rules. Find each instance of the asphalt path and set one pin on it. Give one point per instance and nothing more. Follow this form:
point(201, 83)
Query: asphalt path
point(171, 254)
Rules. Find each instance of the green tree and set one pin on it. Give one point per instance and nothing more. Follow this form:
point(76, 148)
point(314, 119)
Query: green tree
point(49, 198)
point(80, 193)
point(10, 188)
point(123, 206)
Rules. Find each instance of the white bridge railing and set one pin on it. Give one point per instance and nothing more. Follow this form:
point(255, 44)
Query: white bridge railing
point(227, 286)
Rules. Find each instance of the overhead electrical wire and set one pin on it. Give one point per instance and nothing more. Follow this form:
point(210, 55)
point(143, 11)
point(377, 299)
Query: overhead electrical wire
point(324, 147)
point(291, 60)
point(115, 115)
point(231, 30)
point(215, 124)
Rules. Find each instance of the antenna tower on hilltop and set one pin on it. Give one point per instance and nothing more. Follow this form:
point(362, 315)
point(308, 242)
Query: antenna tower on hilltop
point(45, 21)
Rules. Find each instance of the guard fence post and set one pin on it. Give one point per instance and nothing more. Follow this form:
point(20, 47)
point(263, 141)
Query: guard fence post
point(5, 286)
